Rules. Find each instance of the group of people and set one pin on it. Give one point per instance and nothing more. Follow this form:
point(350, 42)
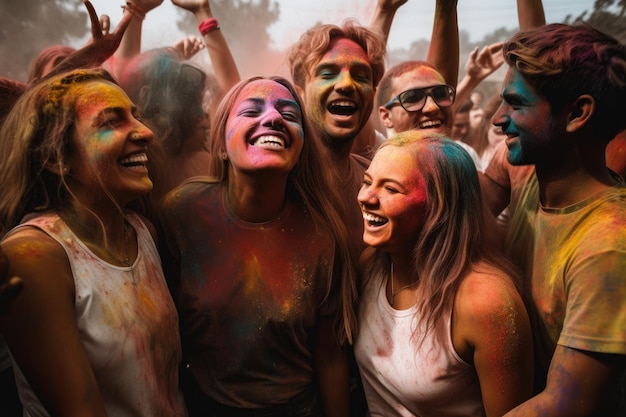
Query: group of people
point(176, 243)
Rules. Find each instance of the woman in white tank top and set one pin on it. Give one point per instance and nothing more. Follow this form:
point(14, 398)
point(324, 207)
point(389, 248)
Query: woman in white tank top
point(442, 329)
point(94, 331)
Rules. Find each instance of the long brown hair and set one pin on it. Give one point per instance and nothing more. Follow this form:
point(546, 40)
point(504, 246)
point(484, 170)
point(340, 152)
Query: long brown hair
point(449, 243)
point(36, 136)
point(311, 182)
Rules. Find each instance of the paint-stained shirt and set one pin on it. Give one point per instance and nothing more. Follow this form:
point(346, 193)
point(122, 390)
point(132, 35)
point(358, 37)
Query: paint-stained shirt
point(248, 295)
point(402, 377)
point(128, 324)
point(575, 263)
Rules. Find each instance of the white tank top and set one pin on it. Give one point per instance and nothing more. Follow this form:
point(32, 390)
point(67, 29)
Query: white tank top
point(127, 322)
point(404, 378)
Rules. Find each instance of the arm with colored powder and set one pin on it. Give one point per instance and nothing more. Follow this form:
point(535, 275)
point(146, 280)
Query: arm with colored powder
point(40, 327)
point(576, 385)
point(224, 66)
point(491, 329)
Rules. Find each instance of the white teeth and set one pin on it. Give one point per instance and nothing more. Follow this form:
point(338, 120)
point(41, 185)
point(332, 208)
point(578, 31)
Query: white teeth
point(139, 159)
point(374, 219)
point(430, 123)
point(343, 103)
point(270, 142)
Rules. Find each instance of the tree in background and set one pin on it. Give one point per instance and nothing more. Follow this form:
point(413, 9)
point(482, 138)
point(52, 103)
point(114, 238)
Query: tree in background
point(27, 26)
point(609, 16)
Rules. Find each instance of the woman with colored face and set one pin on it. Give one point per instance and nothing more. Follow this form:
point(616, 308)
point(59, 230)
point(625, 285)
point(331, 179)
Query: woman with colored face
point(443, 330)
point(94, 330)
point(261, 266)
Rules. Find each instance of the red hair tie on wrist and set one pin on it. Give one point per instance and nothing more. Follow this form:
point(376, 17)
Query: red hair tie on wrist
point(208, 25)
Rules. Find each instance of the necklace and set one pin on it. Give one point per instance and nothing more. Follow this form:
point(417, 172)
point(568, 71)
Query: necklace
point(394, 293)
point(126, 255)
point(125, 236)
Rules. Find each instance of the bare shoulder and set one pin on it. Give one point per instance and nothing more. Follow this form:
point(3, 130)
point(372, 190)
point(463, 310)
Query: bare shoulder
point(488, 311)
point(487, 290)
point(37, 259)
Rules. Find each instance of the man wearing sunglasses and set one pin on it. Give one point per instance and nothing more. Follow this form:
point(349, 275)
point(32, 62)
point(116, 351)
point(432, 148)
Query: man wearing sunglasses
point(414, 95)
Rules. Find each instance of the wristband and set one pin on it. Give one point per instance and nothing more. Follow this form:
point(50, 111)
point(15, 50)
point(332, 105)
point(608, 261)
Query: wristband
point(208, 25)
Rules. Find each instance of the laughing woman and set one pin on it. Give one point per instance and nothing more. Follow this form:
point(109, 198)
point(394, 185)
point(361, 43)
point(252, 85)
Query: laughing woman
point(442, 328)
point(94, 331)
point(262, 254)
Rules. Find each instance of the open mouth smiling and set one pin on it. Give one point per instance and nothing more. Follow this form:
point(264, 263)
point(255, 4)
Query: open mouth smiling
point(430, 124)
point(342, 108)
point(374, 220)
point(134, 161)
point(269, 142)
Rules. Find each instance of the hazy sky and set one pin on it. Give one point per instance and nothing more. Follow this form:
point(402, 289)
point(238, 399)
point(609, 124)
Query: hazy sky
point(412, 22)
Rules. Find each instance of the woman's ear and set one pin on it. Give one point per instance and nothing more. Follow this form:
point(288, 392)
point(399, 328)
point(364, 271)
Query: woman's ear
point(581, 112)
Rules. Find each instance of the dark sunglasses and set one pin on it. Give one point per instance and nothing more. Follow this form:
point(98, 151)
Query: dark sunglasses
point(414, 100)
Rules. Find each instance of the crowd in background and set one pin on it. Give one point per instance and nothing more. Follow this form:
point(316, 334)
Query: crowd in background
point(355, 239)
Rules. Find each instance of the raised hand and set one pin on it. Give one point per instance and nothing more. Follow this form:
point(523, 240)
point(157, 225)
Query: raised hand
point(147, 5)
point(481, 64)
point(193, 5)
point(189, 46)
point(390, 4)
point(100, 48)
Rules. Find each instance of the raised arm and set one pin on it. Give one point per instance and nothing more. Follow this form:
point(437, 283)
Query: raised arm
point(383, 16)
point(443, 52)
point(100, 48)
point(224, 67)
point(136, 11)
point(530, 14)
point(479, 66)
